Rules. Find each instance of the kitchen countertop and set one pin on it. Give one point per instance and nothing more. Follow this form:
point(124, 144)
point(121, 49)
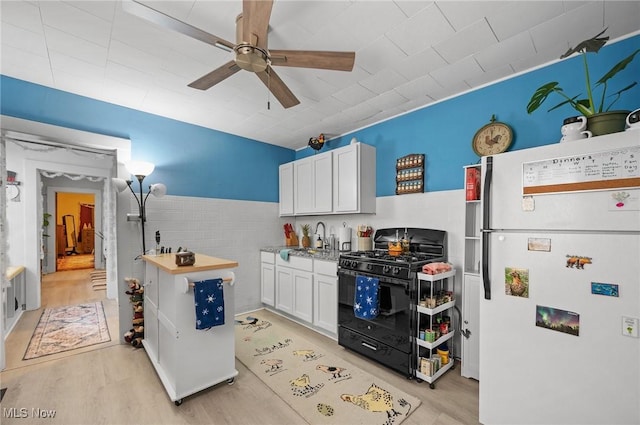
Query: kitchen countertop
point(318, 254)
point(167, 262)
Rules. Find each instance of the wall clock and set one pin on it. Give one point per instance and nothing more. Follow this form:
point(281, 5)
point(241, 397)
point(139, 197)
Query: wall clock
point(492, 139)
point(13, 192)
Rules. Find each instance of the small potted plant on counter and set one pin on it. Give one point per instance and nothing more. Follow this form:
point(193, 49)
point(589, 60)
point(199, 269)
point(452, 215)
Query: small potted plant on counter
point(306, 241)
point(600, 119)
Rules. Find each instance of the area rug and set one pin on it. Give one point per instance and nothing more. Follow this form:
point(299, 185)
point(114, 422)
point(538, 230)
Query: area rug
point(68, 328)
point(321, 387)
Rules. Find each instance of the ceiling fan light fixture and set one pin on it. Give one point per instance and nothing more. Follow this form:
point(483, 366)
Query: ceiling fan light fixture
point(251, 58)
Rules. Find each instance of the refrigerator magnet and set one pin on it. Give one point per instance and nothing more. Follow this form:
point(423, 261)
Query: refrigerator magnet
point(539, 244)
point(516, 282)
point(625, 200)
point(558, 320)
point(607, 289)
point(577, 262)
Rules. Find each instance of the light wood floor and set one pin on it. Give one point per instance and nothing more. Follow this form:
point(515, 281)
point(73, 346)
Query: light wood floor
point(117, 384)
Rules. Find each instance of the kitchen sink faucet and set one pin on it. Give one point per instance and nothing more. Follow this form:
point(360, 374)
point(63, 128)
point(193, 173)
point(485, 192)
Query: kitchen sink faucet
point(324, 233)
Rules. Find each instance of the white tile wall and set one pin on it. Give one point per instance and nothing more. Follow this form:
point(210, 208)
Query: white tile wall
point(236, 230)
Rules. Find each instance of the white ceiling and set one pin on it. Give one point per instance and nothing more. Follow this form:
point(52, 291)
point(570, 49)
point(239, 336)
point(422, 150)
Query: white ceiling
point(408, 54)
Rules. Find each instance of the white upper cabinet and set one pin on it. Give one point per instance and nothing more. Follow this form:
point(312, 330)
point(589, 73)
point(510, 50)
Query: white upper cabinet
point(340, 181)
point(286, 189)
point(312, 186)
point(354, 179)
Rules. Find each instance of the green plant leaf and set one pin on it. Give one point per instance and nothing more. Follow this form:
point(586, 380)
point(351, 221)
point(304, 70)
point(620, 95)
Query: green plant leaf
point(581, 105)
point(541, 95)
point(619, 92)
point(617, 68)
point(593, 45)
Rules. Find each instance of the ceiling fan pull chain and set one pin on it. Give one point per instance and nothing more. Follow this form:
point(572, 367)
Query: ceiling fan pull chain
point(268, 84)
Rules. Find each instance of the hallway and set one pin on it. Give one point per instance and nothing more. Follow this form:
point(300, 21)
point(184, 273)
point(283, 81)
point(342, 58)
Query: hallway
point(59, 289)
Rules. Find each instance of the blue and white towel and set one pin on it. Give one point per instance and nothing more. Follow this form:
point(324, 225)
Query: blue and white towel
point(209, 301)
point(365, 304)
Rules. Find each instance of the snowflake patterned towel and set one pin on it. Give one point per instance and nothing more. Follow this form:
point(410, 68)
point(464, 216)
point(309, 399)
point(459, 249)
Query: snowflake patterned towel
point(209, 301)
point(365, 305)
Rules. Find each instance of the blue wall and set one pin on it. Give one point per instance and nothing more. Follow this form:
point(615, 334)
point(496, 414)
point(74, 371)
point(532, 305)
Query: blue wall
point(195, 161)
point(443, 131)
point(191, 160)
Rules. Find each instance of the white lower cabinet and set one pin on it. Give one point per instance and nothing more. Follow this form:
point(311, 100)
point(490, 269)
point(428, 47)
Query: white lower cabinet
point(307, 289)
point(471, 295)
point(325, 295)
point(294, 286)
point(268, 278)
point(303, 295)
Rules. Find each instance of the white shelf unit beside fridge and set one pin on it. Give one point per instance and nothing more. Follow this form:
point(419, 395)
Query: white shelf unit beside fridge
point(431, 285)
point(471, 284)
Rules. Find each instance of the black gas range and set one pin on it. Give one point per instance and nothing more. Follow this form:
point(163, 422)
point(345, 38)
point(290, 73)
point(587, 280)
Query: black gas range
point(387, 338)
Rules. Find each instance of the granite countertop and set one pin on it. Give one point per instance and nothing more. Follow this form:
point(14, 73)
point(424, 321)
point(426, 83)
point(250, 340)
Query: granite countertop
point(319, 254)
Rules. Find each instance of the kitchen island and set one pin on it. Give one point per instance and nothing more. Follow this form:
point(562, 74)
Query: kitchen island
point(187, 360)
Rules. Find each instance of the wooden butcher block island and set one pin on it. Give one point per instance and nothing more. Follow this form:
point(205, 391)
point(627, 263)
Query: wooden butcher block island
point(186, 359)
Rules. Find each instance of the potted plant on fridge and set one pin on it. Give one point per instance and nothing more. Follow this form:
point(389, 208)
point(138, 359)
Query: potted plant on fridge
point(600, 118)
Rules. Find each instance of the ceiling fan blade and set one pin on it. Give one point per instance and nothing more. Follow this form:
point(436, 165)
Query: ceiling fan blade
point(152, 15)
point(214, 77)
point(255, 21)
point(278, 88)
point(338, 61)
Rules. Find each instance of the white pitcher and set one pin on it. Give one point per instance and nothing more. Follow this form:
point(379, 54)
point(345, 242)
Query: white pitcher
point(575, 130)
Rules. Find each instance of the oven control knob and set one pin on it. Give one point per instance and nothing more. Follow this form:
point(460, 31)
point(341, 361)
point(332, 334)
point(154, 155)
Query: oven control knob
point(354, 264)
point(396, 270)
point(386, 269)
point(369, 266)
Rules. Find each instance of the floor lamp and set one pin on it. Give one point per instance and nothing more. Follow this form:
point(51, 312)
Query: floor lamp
point(140, 169)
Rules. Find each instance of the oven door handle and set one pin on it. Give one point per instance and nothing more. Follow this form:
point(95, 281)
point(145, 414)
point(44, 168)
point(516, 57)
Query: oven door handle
point(382, 279)
point(369, 346)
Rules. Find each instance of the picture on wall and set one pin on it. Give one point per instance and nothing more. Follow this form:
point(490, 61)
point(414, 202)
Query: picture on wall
point(516, 282)
point(558, 320)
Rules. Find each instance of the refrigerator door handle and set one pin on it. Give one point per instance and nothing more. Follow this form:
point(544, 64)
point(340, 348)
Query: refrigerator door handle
point(486, 223)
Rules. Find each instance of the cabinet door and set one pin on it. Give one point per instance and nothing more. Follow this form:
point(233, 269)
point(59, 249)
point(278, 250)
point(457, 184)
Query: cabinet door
point(151, 311)
point(284, 289)
point(354, 179)
point(346, 179)
point(312, 187)
point(303, 186)
point(286, 189)
point(151, 284)
point(471, 323)
point(323, 170)
point(268, 282)
point(325, 302)
point(303, 295)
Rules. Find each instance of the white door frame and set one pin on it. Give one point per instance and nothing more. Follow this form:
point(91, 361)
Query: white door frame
point(33, 208)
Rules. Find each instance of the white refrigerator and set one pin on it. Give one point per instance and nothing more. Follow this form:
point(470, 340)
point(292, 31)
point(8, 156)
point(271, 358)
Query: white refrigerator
point(561, 252)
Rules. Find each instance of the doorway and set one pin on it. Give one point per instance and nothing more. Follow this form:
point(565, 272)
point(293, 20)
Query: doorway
point(75, 231)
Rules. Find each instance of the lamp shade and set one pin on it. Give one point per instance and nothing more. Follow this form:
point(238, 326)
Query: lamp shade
point(120, 184)
point(158, 190)
point(140, 168)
